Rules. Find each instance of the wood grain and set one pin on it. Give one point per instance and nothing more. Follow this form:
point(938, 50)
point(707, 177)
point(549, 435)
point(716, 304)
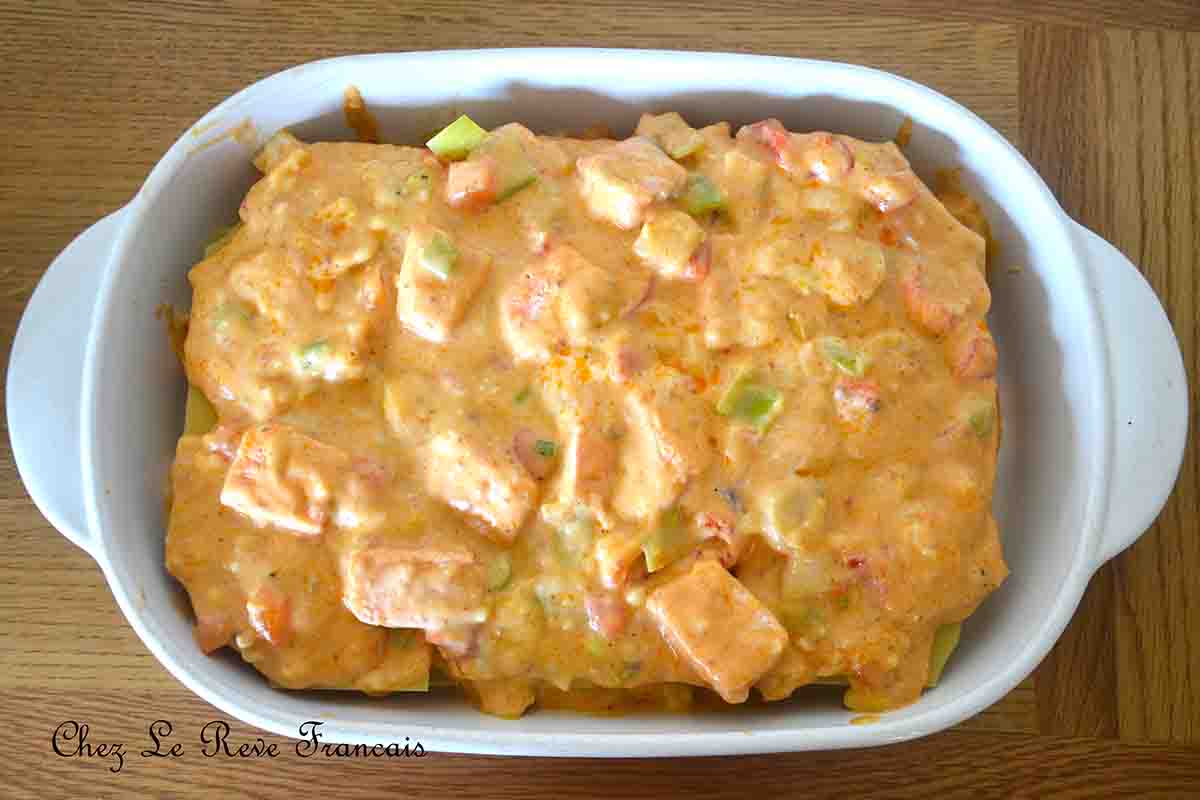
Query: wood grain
point(1103, 97)
point(1108, 117)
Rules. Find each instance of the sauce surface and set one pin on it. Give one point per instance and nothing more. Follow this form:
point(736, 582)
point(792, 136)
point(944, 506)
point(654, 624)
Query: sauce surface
point(555, 414)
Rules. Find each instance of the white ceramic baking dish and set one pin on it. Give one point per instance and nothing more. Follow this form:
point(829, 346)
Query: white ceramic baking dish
point(1092, 382)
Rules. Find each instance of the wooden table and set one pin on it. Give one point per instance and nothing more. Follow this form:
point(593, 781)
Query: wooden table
point(1102, 96)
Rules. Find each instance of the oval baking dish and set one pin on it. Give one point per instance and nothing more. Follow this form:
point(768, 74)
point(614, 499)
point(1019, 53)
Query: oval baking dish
point(1092, 381)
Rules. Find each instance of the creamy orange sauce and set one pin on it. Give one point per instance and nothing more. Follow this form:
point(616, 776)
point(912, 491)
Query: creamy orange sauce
point(358, 116)
point(583, 415)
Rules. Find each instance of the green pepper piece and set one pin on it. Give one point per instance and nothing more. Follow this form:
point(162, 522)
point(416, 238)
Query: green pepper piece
point(545, 448)
point(702, 196)
point(753, 403)
point(672, 133)
point(312, 356)
point(597, 646)
point(499, 572)
point(851, 362)
point(682, 146)
point(982, 417)
point(795, 507)
point(457, 139)
point(944, 642)
point(515, 170)
point(199, 417)
point(805, 620)
point(417, 185)
point(230, 313)
point(421, 684)
point(439, 256)
point(670, 540)
point(513, 178)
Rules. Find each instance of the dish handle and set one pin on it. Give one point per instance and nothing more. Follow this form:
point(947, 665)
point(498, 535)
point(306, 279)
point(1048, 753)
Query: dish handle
point(1149, 390)
point(45, 379)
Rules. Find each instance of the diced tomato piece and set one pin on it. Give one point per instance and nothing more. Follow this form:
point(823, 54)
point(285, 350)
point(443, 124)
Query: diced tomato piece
point(699, 265)
point(934, 308)
point(770, 133)
point(972, 352)
point(471, 185)
point(856, 400)
point(721, 526)
point(715, 524)
point(607, 614)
